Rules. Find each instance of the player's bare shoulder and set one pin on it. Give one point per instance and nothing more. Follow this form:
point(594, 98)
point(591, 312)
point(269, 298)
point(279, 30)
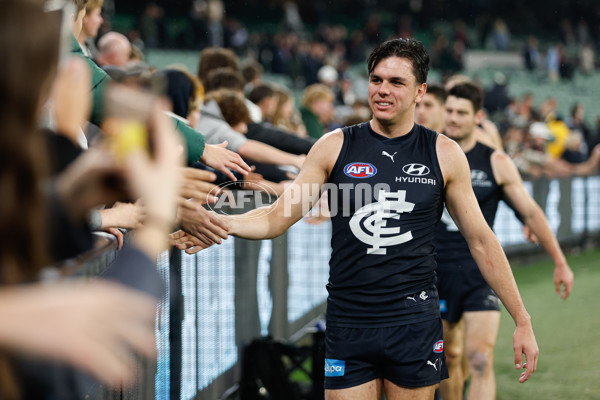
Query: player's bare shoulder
point(451, 158)
point(503, 167)
point(489, 134)
point(326, 150)
point(500, 157)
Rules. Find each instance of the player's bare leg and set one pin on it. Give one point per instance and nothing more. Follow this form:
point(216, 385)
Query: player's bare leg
point(367, 391)
point(454, 349)
point(464, 364)
point(395, 392)
point(481, 329)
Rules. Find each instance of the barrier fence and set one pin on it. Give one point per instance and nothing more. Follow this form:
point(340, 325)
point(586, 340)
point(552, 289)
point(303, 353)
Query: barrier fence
point(222, 298)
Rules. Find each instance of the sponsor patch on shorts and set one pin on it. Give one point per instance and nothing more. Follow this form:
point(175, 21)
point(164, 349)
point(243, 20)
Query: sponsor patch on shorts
point(334, 367)
point(443, 306)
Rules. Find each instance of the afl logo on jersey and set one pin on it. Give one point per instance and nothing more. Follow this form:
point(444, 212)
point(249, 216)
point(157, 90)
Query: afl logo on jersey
point(438, 347)
point(415, 169)
point(360, 170)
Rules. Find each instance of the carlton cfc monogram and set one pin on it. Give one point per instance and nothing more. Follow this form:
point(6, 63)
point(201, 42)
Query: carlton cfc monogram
point(373, 217)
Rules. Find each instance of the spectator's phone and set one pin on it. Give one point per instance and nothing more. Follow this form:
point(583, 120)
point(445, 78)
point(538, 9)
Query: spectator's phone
point(127, 122)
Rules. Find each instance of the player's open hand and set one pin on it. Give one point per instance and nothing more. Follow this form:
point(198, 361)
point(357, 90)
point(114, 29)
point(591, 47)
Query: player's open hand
point(203, 224)
point(563, 280)
point(197, 185)
point(221, 159)
point(524, 343)
point(184, 241)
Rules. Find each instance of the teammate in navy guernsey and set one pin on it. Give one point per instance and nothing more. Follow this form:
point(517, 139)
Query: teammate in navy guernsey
point(387, 181)
point(430, 111)
point(462, 287)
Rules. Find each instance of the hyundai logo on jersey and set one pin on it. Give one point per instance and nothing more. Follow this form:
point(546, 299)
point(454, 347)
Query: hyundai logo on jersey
point(478, 175)
point(334, 367)
point(480, 179)
point(360, 170)
point(438, 347)
point(415, 169)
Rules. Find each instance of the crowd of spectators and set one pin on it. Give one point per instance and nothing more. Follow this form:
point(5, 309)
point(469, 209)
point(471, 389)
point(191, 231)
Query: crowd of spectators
point(52, 191)
point(310, 50)
point(544, 143)
point(299, 49)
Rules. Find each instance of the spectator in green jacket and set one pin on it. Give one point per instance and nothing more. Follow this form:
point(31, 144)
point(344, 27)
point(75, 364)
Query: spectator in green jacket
point(215, 156)
point(92, 21)
point(317, 109)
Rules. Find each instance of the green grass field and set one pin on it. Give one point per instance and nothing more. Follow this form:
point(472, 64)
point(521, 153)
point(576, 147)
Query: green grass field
point(568, 334)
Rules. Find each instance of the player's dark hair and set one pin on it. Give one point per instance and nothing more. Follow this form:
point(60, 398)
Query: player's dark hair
point(438, 91)
point(410, 49)
point(469, 91)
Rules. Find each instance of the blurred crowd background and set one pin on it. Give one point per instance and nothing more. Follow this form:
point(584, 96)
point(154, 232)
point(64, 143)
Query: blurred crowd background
point(536, 61)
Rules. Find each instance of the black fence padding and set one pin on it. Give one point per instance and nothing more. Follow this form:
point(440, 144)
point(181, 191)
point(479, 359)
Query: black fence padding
point(318, 365)
point(266, 368)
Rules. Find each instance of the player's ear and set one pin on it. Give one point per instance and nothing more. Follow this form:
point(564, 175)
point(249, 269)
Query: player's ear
point(479, 117)
point(421, 90)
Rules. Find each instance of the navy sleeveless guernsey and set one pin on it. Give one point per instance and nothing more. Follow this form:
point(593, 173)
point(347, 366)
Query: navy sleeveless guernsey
point(385, 198)
point(451, 247)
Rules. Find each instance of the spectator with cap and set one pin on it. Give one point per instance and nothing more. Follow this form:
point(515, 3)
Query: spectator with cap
point(328, 75)
point(534, 159)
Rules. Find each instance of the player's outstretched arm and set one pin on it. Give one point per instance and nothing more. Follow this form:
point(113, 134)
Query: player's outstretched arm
point(486, 250)
point(507, 175)
point(297, 199)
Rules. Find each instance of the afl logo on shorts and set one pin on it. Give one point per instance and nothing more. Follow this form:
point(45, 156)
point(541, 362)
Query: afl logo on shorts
point(360, 170)
point(438, 347)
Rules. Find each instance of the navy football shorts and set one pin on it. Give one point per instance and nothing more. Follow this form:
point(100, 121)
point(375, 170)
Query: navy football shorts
point(464, 289)
point(408, 355)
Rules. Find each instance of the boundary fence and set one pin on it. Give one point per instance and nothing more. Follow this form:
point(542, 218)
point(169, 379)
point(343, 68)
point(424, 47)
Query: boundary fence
point(222, 298)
